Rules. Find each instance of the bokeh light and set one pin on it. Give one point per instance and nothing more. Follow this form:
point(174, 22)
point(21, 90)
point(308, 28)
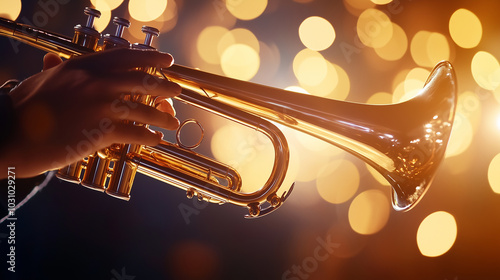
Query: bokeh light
point(316, 33)
point(380, 98)
point(467, 120)
point(381, 2)
point(327, 86)
point(356, 7)
point(146, 10)
point(461, 136)
point(310, 67)
point(369, 212)
point(428, 48)
point(436, 234)
point(396, 47)
point(10, 9)
point(485, 70)
point(246, 150)
point(236, 36)
point(341, 91)
point(246, 9)
point(411, 86)
point(494, 174)
point(103, 21)
point(240, 61)
point(465, 28)
point(338, 181)
point(207, 43)
point(378, 177)
point(374, 28)
point(106, 4)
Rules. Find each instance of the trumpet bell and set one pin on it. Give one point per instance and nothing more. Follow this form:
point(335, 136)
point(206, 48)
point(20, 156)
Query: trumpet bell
point(415, 134)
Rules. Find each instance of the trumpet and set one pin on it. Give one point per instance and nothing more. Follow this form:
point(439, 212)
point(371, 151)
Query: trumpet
point(405, 142)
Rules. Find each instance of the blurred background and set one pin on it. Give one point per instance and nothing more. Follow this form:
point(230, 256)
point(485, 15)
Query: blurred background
point(338, 222)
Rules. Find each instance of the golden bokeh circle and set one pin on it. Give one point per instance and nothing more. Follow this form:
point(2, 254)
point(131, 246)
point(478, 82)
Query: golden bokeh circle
point(465, 28)
point(369, 212)
point(436, 234)
point(10, 9)
point(316, 33)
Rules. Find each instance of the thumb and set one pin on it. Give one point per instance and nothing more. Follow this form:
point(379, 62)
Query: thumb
point(50, 60)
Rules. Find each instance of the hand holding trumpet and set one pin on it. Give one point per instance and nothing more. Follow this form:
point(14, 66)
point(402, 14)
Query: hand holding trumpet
point(58, 108)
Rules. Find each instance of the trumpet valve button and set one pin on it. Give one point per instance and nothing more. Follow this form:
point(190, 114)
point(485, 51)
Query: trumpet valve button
point(112, 41)
point(121, 24)
point(92, 14)
point(150, 33)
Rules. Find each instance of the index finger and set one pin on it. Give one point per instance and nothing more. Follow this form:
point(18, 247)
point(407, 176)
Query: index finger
point(120, 59)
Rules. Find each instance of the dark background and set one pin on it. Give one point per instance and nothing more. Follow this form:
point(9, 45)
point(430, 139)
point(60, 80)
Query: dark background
point(70, 232)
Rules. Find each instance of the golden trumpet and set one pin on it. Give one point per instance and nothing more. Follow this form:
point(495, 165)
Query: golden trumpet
point(405, 142)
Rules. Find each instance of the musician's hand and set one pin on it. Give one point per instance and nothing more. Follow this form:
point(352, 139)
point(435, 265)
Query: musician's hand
point(74, 108)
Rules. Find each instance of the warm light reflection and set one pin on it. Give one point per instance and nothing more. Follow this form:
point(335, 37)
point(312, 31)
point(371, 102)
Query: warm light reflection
point(316, 33)
point(369, 212)
point(338, 181)
point(246, 9)
point(10, 9)
point(465, 28)
point(436, 234)
point(297, 89)
point(486, 70)
point(494, 174)
point(240, 61)
point(207, 43)
point(146, 10)
point(396, 47)
point(374, 28)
